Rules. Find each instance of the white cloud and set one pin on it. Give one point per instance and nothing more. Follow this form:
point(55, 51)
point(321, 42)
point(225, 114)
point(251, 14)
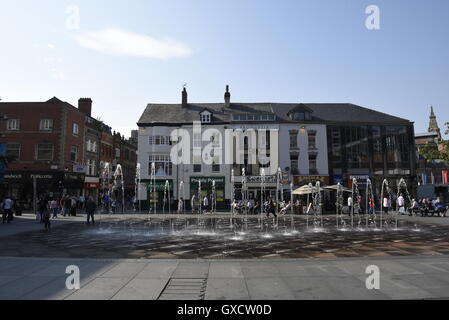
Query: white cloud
point(124, 43)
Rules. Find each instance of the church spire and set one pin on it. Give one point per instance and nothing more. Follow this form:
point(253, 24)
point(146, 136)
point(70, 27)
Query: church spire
point(433, 125)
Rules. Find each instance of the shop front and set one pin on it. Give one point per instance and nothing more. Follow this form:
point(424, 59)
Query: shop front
point(303, 180)
point(21, 186)
point(91, 187)
point(255, 190)
point(206, 189)
point(73, 183)
point(157, 192)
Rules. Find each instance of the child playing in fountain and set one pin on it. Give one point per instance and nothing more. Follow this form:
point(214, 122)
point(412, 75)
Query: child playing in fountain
point(285, 209)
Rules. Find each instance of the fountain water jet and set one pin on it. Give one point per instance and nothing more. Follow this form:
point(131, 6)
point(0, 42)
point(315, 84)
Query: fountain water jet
point(119, 173)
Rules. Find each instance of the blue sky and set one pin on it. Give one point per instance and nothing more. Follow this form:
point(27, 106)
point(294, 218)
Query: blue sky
point(267, 51)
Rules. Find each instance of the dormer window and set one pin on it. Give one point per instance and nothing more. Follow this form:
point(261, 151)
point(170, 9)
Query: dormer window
point(300, 113)
point(205, 116)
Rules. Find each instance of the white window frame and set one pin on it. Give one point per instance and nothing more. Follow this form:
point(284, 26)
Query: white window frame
point(13, 125)
point(76, 154)
point(46, 125)
point(75, 129)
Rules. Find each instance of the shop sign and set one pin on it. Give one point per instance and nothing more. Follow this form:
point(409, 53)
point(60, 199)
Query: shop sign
point(298, 180)
point(79, 168)
point(159, 185)
point(258, 179)
point(92, 185)
point(207, 180)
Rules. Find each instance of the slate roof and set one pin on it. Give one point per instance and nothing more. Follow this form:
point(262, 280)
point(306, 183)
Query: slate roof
point(321, 112)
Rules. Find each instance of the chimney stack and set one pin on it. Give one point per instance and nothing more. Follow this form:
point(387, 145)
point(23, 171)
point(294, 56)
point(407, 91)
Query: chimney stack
point(85, 106)
point(184, 98)
point(227, 97)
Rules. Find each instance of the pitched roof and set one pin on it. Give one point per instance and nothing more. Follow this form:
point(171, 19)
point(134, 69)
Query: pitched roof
point(321, 112)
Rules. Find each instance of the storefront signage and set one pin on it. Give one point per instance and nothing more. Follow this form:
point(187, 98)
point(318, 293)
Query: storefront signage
point(78, 168)
point(159, 185)
point(258, 179)
point(298, 180)
point(207, 180)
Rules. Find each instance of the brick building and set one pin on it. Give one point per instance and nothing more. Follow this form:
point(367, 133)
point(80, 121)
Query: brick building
point(62, 148)
point(46, 140)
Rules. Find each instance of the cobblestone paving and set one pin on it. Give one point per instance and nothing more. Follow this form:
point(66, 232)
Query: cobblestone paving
point(216, 238)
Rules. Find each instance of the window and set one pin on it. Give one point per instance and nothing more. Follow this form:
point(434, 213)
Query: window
point(46, 125)
point(312, 164)
point(162, 163)
point(215, 167)
point(293, 139)
point(13, 125)
point(336, 144)
point(13, 150)
point(76, 129)
point(74, 153)
point(94, 146)
point(44, 152)
point(299, 116)
point(294, 164)
point(196, 168)
point(312, 140)
point(160, 140)
point(205, 117)
point(117, 152)
point(91, 167)
point(197, 140)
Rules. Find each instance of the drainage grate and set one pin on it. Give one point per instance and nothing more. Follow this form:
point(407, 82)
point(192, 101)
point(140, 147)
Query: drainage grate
point(184, 289)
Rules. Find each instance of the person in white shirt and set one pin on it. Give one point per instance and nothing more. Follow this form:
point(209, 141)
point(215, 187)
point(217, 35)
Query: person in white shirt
point(350, 204)
point(7, 210)
point(205, 203)
point(401, 203)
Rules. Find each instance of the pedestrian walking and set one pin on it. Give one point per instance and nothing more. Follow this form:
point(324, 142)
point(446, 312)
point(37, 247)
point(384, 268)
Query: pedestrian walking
point(46, 218)
point(7, 210)
point(91, 208)
point(54, 208)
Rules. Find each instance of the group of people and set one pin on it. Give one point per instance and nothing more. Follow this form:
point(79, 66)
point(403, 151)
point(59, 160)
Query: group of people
point(49, 208)
point(205, 204)
point(427, 207)
point(253, 206)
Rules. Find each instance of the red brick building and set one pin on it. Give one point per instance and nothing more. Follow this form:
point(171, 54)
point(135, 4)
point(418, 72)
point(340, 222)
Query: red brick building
point(46, 140)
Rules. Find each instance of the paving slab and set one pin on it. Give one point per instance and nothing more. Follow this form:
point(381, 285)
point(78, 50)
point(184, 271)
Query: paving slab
point(226, 289)
point(158, 270)
point(269, 288)
point(20, 287)
point(99, 289)
point(141, 289)
point(125, 269)
point(225, 270)
point(191, 270)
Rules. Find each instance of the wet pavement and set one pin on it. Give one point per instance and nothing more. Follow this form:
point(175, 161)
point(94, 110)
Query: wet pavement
point(147, 237)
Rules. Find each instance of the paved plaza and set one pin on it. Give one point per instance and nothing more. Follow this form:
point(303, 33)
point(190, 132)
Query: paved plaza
point(403, 275)
point(401, 278)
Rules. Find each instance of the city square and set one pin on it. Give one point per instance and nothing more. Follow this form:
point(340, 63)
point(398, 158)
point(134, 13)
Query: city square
point(290, 180)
